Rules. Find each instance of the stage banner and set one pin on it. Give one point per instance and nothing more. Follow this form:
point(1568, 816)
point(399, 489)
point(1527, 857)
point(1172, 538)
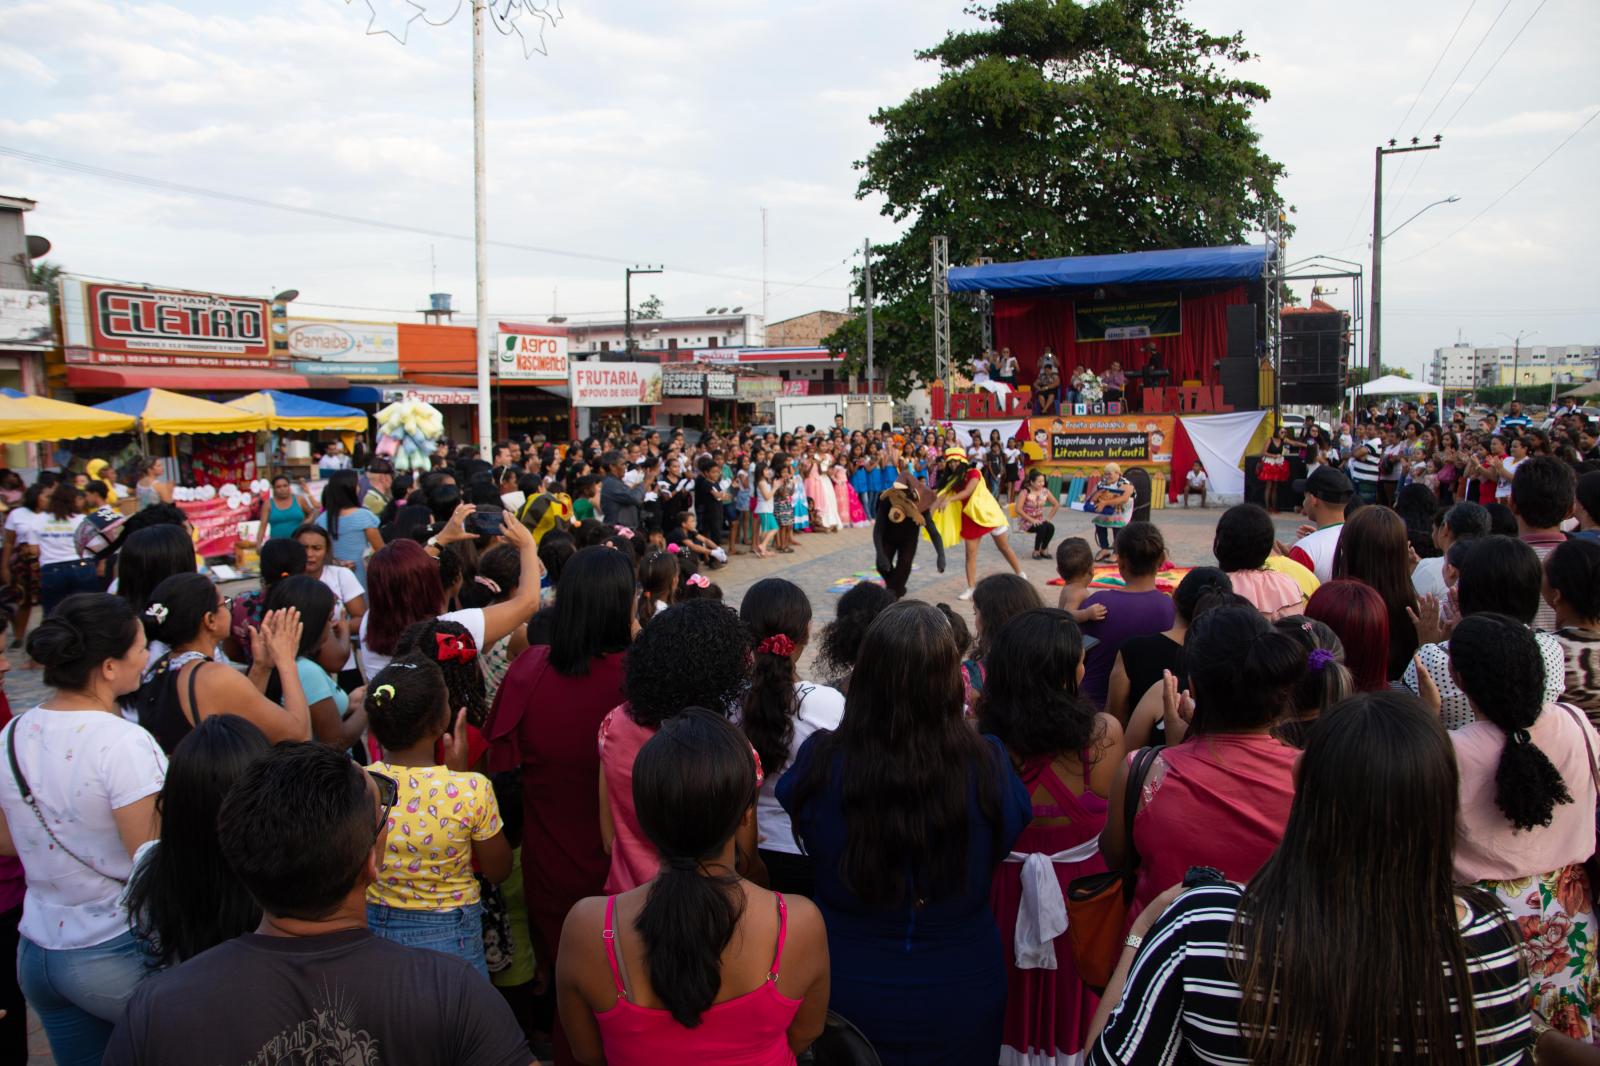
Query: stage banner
point(216, 525)
point(1100, 439)
point(1127, 319)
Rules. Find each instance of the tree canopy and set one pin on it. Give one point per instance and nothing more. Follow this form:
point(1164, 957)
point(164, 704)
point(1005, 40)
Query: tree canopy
point(1057, 128)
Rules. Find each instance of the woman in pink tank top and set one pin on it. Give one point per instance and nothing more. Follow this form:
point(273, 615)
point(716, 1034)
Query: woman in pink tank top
point(656, 974)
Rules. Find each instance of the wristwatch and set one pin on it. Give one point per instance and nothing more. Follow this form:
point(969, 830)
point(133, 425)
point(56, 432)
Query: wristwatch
point(433, 542)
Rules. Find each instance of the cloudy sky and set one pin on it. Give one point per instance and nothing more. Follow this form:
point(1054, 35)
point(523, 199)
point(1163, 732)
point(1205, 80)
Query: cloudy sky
point(656, 131)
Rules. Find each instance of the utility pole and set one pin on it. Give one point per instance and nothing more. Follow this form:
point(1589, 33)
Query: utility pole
point(627, 299)
point(480, 230)
point(763, 271)
point(866, 249)
point(1375, 327)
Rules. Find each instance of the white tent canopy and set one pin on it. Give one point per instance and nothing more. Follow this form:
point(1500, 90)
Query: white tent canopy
point(1395, 385)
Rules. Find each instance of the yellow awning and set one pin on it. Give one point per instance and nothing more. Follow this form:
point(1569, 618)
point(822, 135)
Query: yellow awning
point(161, 411)
point(35, 418)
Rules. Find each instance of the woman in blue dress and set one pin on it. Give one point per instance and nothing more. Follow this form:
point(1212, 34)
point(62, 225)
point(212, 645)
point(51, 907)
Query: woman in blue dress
point(905, 844)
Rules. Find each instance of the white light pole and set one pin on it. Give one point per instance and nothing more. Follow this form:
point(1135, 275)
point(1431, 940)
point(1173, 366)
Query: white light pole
point(480, 234)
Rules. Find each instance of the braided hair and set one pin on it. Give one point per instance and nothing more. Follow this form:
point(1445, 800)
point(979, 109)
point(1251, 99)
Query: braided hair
point(1497, 662)
point(450, 646)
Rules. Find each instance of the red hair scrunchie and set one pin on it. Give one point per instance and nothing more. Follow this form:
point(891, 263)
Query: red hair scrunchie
point(452, 649)
point(777, 644)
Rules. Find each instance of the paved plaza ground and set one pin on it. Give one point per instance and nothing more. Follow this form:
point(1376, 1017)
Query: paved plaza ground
point(824, 565)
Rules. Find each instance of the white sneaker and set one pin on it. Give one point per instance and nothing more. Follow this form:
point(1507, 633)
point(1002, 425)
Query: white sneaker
point(1022, 575)
point(967, 595)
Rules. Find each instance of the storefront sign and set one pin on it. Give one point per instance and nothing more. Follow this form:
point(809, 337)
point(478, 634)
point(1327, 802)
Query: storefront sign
point(616, 384)
point(370, 349)
point(1100, 439)
point(758, 389)
point(80, 356)
point(436, 397)
point(532, 357)
point(682, 383)
point(799, 387)
point(1127, 319)
point(716, 355)
point(722, 386)
point(137, 319)
point(25, 319)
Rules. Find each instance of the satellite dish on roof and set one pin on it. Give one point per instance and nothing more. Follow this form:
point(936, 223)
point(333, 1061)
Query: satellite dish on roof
point(722, 310)
point(38, 247)
point(736, 310)
point(711, 310)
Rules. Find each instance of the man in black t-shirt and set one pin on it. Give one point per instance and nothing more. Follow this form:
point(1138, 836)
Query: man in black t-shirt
point(303, 830)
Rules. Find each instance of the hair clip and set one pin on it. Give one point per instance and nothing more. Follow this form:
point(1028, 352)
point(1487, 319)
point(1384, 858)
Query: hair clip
point(699, 581)
point(624, 532)
point(674, 549)
point(777, 644)
point(489, 583)
point(158, 611)
point(382, 690)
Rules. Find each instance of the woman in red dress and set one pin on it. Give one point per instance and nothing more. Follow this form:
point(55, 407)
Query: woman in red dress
point(1274, 468)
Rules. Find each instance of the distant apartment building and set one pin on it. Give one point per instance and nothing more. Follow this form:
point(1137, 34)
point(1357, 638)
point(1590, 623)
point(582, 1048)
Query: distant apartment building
point(1465, 366)
point(716, 330)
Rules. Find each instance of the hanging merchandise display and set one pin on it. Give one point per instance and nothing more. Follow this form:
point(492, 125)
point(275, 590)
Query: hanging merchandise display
point(223, 460)
point(408, 431)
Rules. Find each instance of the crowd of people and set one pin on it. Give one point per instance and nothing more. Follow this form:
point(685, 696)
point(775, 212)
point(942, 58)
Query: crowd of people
point(485, 771)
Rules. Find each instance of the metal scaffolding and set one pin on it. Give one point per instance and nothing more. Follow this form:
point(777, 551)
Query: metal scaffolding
point(941, 308)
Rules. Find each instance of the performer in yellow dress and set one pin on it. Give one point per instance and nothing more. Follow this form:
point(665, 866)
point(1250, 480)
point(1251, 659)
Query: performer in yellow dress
point(967, 510)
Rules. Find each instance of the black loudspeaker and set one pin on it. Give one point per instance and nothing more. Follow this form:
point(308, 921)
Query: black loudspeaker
point(1241, 383)
point(1315, 351)
point(1242, 331)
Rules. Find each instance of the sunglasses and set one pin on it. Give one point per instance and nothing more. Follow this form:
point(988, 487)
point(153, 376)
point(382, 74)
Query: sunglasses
point(388, 796)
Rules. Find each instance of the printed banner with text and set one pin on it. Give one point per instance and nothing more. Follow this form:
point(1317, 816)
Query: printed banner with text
point(1127, 319)
point(1100, 439)
point(616, 384)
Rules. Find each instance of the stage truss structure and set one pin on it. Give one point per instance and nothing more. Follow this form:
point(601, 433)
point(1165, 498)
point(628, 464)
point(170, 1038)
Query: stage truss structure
point(1331, 268)
point(940, 251)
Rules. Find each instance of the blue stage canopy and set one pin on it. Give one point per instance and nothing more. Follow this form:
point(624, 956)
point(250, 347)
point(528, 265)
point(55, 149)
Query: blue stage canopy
point(1238, 262)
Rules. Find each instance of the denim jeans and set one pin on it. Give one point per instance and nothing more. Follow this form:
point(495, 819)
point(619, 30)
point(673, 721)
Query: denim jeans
point(79, 993)
point(60, 580)
point(457, 932)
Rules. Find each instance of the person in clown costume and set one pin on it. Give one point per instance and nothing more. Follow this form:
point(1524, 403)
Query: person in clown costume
point(967, 510)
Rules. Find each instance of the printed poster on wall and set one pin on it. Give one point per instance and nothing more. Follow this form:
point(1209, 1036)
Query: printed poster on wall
point(527, 356)
point(320, 346)
point(1100, 439)
point(616, 384)
point(1123, 320)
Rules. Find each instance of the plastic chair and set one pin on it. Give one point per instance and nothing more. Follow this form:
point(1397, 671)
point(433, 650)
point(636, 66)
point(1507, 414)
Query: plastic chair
point(841, 1044)
point(1140, 480)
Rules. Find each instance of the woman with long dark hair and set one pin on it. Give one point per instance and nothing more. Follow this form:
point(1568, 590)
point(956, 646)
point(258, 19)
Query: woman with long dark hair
point(88, 804)
point(182, 896)
point(1327, 680)
point(1142, 660)
point(354, 529)
point(780, 711)
point(1296, 969)
point(996, 600)
point(698, 965)
point(1527, 812)
point(544, 723)
point(324, 646)
point(406, 588)
point(1374, 549)
point(906, 812)
point(1219, 795)
point(841, 638)
point(189, 616)
point(1067, 755)
point(351, 597)
point(146, 557)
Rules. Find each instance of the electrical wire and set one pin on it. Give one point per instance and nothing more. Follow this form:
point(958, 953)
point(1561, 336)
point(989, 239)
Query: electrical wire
point(1514, 186)
point(1442, 53)
point(91, 170)
point(1485, 75)
point(1471, 56)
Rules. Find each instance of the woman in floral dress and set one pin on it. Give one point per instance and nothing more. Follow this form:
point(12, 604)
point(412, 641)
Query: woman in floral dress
point(1527, 821)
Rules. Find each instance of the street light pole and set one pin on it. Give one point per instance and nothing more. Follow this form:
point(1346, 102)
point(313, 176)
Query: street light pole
point(627, 297)
point(1516, 356)
point(480, 229)
point(1375, 327)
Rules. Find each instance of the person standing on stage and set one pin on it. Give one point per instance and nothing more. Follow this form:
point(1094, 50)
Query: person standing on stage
point(977, 516)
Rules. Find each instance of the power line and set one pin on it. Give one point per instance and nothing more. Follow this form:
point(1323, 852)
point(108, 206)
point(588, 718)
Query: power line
point(1485, 76)
point(357, 220)
point(1514, 186)
point(1442, 53)
point(1473, 55)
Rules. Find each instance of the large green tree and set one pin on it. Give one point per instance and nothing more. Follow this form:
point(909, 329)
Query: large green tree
point(1057, 128)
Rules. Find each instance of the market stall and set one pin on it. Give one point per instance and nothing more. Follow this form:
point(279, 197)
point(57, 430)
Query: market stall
point(286, 412)
point(34, 418)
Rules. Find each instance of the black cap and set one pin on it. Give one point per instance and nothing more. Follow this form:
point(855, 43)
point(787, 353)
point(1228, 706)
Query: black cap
point(1326, 483)
point(380, 465)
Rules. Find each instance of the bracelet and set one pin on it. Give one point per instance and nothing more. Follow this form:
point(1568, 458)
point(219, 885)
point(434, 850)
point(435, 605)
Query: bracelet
point(1133, 941)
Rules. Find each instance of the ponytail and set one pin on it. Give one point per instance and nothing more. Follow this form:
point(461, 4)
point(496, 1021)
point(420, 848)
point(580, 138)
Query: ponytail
point(1501, 669)
point(693, 782)
point(658, 580)
point(778, 615)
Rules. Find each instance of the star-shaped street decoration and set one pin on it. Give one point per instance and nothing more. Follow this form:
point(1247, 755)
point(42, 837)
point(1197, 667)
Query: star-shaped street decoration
point(393, 17)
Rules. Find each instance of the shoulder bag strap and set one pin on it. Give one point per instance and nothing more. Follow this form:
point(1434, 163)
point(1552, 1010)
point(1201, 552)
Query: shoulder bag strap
point(194, 707)
point(1137, 771)
point(33, 805)
point(1594, 772)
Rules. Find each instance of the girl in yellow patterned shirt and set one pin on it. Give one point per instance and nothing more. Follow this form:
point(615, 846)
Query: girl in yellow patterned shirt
point(444, 819)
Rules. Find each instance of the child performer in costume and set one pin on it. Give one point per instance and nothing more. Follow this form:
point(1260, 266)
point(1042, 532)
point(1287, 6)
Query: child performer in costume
point(966, 508)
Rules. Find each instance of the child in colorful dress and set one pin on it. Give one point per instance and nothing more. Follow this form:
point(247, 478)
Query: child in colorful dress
point(426, 894)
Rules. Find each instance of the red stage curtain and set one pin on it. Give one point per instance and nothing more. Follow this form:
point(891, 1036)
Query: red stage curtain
point(1025, 324)
point(1183, 457)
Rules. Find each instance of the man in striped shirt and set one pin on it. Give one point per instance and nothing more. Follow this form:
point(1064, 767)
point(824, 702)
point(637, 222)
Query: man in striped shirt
point(1363, 470)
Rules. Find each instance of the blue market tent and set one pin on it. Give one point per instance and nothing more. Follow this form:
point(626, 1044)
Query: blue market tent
point(11, 394)
point(1239, 262)
point(285, 410)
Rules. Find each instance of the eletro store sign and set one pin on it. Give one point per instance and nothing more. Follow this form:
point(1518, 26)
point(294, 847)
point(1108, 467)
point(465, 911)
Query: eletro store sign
point(138, 319)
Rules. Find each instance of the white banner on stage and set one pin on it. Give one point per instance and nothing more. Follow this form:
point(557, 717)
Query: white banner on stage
point(1220, 441)
point(1008, 427)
